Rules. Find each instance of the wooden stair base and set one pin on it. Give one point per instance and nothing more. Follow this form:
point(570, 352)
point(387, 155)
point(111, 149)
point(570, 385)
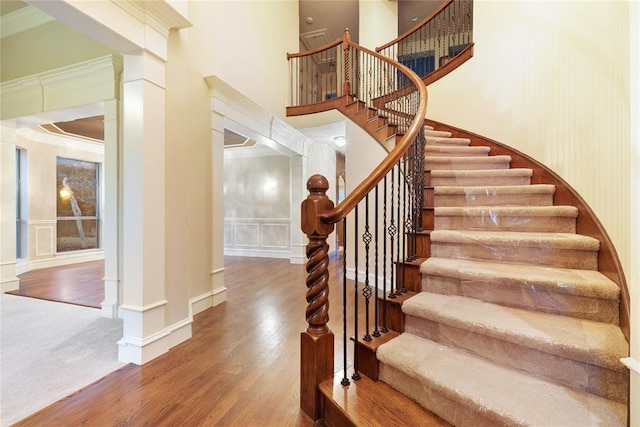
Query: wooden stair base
point(371, 403)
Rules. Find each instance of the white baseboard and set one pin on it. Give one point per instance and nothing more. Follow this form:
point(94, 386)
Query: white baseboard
point(258, 253)
point(22, 266)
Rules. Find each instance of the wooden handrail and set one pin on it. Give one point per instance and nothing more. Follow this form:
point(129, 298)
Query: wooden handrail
point(407, 33)
point(358, 194)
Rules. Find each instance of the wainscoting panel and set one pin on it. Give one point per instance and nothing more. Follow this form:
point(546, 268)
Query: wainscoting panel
point(44, 237)
point(260, 237)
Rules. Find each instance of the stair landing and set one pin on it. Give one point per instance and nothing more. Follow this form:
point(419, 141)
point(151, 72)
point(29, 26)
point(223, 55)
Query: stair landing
point(368, 403)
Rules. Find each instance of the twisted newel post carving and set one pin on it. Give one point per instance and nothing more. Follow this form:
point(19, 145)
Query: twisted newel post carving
point(316, 343)
point(346, 46)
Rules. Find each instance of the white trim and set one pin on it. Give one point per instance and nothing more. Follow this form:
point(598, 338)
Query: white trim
point(632, 364)
point(200, 303)
point(21, 20)
point(256, 253)
point(24, 265)
point(84, 83)
point(219, 295)
point(142, 309)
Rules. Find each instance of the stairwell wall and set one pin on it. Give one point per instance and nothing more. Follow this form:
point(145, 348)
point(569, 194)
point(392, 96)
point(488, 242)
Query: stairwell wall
point(543, 81)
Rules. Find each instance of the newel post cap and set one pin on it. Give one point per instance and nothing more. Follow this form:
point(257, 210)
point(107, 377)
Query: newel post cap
point(315, 205)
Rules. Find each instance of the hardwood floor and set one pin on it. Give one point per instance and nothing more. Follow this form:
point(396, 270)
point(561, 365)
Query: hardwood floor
point(240, 368)
point(80, 284)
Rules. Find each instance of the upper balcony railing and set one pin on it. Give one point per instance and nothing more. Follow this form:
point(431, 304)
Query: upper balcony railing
point(438, 43)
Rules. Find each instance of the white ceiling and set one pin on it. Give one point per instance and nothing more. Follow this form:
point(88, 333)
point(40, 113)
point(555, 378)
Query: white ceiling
point(327, 19)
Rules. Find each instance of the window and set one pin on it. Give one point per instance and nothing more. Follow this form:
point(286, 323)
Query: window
point(21, 223)
point(78, 221)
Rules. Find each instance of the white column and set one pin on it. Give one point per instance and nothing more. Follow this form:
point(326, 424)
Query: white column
point(110, 203)
point(298, 194)
point(219, 291)
point(143, 215)
point(8, 279)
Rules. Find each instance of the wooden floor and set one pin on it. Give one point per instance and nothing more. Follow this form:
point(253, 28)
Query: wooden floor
point(240, 368)
point(79, 284)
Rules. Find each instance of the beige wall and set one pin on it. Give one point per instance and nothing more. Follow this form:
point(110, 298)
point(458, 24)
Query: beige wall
point(49, 46)
point(545, 82)
point(245, 44)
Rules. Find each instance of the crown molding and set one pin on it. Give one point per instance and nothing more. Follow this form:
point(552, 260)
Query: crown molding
point(22, 20)
point(159, 15)
point(83, 83)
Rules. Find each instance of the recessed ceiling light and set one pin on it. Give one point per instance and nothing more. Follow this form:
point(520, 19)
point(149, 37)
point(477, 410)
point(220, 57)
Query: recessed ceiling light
point(414, 18)
point(309, 20)
point(340, 141)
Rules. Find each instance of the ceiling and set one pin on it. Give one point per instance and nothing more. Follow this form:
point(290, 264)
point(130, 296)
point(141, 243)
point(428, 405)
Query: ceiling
point(321, 22)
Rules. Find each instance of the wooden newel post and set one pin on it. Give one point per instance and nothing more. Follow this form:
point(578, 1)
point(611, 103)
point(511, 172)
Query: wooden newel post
point(316, 343)
point(346, 47)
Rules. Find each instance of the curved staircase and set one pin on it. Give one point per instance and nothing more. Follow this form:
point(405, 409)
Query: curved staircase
point(514, 325)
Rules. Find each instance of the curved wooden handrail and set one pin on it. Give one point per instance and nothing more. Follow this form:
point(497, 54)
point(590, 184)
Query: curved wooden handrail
point(316, 50)
point(358, 194)
point(407, 33)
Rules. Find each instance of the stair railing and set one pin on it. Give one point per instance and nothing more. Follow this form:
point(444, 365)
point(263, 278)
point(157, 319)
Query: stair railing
point(438, 44)
point(384, 209)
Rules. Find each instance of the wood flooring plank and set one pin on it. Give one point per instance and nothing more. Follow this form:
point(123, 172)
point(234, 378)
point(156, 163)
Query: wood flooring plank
point(240, 368)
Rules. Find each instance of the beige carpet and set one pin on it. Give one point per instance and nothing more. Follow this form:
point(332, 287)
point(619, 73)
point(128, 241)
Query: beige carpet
point(515, 325)
point(50, 350)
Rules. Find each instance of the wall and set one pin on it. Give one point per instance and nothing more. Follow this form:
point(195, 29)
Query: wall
point(257, 210)
point(42, 151)
point(544, 82)
point(244, 43)
point(553, 80)
point(45, 48)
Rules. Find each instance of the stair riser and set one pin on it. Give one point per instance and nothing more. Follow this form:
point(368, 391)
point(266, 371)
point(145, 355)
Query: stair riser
point(592, 379)
point(492, 199)
point(478, 163)
point(438, 401)
point(489, 221)
point(517, 254)
point(427, 219)
point(524, 295)
point(423, 245)
point(461, 181)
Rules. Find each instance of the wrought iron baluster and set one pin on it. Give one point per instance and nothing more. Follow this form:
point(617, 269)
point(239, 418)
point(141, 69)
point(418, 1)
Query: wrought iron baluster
point(384, 256)
point(392, 232)
point(356, 375)
point(376, 332)
point(366, 291)
point(345, 379)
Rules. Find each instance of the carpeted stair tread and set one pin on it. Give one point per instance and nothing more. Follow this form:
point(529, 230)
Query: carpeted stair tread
point(494, 195)
point(585, 294)
point(439, 133)
point(564, 211)
point(561, 219)
point(566, 250)
point(595, 343)
point(444, 173)
point(515, 238)
point(492, 177)
point(588, 283)
point(467, 163)
point(468, 390)
point(455, 151)
point(438, 140)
